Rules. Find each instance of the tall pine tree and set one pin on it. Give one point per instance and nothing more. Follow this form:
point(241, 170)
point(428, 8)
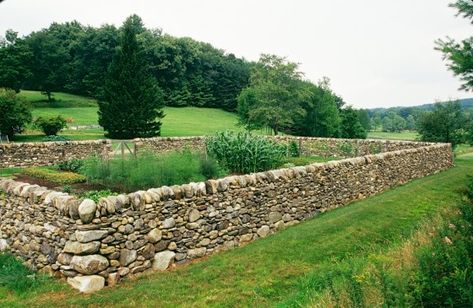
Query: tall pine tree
point(132, 102)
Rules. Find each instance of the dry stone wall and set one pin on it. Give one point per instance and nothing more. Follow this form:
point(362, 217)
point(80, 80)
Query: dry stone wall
point(327, 147)
point(48, 153)
point(97, 243)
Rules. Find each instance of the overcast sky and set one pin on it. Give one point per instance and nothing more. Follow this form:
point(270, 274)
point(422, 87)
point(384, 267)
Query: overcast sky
point(377, 53)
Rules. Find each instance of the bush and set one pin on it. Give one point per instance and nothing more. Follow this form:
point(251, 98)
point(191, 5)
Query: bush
point(54, 176)
point(72, 165)
point(210, 169)
point(144, 171)
point(14, 113)
point(294, 150)
point(53, 138)
point(50, 126)
point(244, 153)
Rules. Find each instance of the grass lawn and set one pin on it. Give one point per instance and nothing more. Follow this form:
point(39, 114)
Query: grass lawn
point(404, 135)
point(186, 121)
point(289, 268)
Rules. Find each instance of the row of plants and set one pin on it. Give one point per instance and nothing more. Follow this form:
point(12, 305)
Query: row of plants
point(52, 175)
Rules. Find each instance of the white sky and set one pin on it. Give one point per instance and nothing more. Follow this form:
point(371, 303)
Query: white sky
point(377, 53)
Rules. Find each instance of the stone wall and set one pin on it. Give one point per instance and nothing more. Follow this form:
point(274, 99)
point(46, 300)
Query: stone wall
point(48, 153)
point(327, 147)
point(121, 235)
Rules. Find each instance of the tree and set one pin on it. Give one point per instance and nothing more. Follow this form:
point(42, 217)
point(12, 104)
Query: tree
point(365, 120)
point(14, 113)
point(321, 118)
point(132, 104)
point(446, 123)
point(351, 126)
point(14, 61)
point(459, 55)
point(273, 97)
point(392, 122)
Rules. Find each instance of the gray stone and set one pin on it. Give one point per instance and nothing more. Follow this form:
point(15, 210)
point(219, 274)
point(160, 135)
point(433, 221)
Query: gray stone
point(113, 279)
point(89, 236)
point(87, 284)
point(154, 236)
point(4, 245)
point(246, 238)
point(162, 260)
point(127, 256)
point(64, 258)
point(263, 231)
point(89, 265)
point(87, 210)
point(194, 215)
point(196, 253)
point(274, 217)
point(77, 248)
point(169, 223)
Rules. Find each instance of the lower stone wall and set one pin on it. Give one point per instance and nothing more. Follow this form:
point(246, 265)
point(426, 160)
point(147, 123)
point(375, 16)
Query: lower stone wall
point(128, 234)
point(48, 153)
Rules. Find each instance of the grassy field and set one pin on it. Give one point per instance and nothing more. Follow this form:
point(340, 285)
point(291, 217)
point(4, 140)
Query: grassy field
point(404, 135)
point(295, 267)
point(81, 111)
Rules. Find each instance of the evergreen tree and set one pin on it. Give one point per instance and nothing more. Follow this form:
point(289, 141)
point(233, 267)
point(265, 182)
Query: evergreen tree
point(132, 100)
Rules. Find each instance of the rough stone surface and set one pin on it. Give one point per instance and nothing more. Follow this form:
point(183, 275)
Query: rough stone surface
point(89, 236)
point(162, 260)
point(90, 264)
point(4, 245)
point(45, 228)
point(87, 210)
point(87, 284)
point(81, 248)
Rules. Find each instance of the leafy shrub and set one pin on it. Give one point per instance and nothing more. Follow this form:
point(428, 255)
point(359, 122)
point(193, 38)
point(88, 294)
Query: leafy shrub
point(146, 170)
point(210, 169)
point(67, 189)
point(72, 165)
point(96, 194)
point(55, 176)
point(244, 153)
point(15, 276)
point(445, 276)
point(53, 138)
point(347, 149)
point(14, 113)
point(50, 126)
point(294, 150)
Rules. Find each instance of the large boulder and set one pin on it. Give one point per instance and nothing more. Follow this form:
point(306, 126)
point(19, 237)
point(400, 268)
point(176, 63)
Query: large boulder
point(89, 265)
point(87, 210)
point(162, 260)
point(127, 256)
point(87, 284)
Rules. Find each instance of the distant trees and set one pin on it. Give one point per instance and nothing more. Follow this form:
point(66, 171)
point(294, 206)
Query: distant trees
point(277, 97)
point(132, 99)
point(74, 58)
point(273, 96)
point(393, 122)
point(14, 113)
point(446, 123)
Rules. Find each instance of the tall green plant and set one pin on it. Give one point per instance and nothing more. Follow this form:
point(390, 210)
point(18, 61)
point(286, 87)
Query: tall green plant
point(244, 153)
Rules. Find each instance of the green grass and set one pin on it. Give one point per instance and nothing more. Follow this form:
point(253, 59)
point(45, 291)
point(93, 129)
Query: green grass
point(290, 268)
point(187, 121)
point(7, 172)
point(404, 135)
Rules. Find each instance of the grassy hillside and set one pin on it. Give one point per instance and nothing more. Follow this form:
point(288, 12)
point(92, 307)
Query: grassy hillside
point(187, 121)
point(404, 135)
point(298, 266)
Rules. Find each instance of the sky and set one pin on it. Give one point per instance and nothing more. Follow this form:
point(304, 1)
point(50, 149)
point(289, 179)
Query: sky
point(377, 53)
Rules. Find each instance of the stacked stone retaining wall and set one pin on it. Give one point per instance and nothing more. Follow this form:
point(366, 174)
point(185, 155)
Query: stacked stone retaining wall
point(131, 233)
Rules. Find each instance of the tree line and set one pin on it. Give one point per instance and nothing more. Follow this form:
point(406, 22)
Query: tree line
point(74, 58)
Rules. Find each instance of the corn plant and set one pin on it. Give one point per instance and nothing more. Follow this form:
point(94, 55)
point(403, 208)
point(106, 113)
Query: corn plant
point(244, 153)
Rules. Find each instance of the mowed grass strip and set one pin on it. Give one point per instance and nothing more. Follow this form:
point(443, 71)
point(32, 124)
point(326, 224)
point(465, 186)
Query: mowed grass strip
point(285, 268)
point(404, 135)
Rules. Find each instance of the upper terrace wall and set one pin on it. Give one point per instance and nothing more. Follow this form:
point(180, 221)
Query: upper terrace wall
point(48, 153)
